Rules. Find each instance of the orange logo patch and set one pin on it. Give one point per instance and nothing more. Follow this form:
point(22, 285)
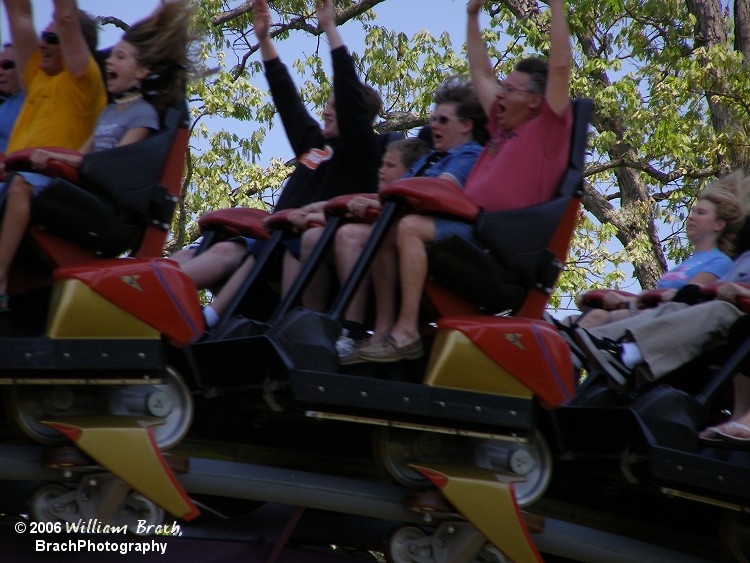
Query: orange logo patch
point(313, 158)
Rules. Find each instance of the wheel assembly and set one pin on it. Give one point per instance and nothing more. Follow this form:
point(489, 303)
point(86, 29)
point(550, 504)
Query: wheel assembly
point(735, 534)
point(409, 545)
point(527, 463)
point(26, 405)
point(138, 514)
point(53, 503)
point(99, 497)
point(169, 401)
point(396, 448)
point(451, 541)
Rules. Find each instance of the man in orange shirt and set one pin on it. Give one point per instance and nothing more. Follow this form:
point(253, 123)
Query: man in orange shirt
point(64, 88)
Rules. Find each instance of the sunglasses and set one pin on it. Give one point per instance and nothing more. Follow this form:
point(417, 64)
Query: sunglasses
point(443, 119)
point(50, 38)
point(5, 64)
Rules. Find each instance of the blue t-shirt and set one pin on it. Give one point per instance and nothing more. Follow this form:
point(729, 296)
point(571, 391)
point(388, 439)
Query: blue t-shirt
point(8, 113)
point(457, 163)
point(707, 261)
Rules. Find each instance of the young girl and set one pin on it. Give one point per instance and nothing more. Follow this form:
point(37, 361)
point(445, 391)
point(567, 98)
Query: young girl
point(397, 160)
point(154, 47)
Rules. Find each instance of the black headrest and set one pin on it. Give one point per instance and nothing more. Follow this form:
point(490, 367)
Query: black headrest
point(425, 133)
point(387, 137)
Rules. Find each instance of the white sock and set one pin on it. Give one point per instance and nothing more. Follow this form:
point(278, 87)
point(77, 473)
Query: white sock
point(210, 316)
point(631, 354)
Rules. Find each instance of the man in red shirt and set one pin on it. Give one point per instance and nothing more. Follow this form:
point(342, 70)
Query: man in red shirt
point(530, 120)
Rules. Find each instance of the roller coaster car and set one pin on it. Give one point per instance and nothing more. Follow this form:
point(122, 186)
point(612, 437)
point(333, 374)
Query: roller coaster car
point(81, 342)
point(643, 441)
point(476, 402)
point(481, 416)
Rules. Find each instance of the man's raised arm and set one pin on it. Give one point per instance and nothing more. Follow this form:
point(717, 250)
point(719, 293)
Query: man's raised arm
point(482, 73)
point(75, 50)
point(558, 79)
point(262, 28)
point(22, 31)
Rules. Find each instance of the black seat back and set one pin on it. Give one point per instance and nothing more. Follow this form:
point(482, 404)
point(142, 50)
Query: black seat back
point(120, 195)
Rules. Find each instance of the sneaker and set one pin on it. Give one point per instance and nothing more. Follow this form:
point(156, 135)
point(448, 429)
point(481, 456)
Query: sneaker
point(605, 354)
point(348, 349)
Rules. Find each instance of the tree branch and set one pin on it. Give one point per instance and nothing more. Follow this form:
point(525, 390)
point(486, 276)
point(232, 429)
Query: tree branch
point(224, 17)
point(111, 20)
point(342, 16)
point(400, 121)
point(658, 175)
point(298, 23)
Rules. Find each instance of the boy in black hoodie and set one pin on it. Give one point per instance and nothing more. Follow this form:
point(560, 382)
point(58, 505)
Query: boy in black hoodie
point(341, 157)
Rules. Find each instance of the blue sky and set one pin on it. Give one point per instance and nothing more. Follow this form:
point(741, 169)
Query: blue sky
point(408, 16)
point(127, 10)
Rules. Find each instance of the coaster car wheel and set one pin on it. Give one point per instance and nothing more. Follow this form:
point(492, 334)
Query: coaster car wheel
point(735, 534)
point(93, 500)
point(138, 511)
point(527, 463)
point(452, 541)
point(53, 503)
point(26, 405)
point(409, 545)
point(396, 448)
point(169, 401)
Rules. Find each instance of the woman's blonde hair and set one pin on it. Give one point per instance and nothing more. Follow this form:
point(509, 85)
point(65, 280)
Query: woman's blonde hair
point(731, 196)
point(162, 41)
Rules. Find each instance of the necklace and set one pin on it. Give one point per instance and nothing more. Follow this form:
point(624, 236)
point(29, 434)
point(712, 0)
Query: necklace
point(127, 97)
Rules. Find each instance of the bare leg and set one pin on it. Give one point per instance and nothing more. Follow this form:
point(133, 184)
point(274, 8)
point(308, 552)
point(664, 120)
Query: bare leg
point(350, 239)
point(599, 317)
point(384, 282)
point(741, 410)
point(16, 220)
point(223, 298)
point(413, 234)
point(289, 271)
point(183, 256)
point(215, 264)
point(316, 295)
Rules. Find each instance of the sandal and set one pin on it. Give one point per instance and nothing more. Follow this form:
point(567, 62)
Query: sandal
point(725, 436)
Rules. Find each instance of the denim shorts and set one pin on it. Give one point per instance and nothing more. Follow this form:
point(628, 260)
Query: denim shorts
point(255, 247)
point(38, 182)
point(445, 228)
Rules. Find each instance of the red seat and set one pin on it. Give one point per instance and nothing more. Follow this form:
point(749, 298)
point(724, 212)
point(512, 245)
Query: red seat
point(236, 221)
